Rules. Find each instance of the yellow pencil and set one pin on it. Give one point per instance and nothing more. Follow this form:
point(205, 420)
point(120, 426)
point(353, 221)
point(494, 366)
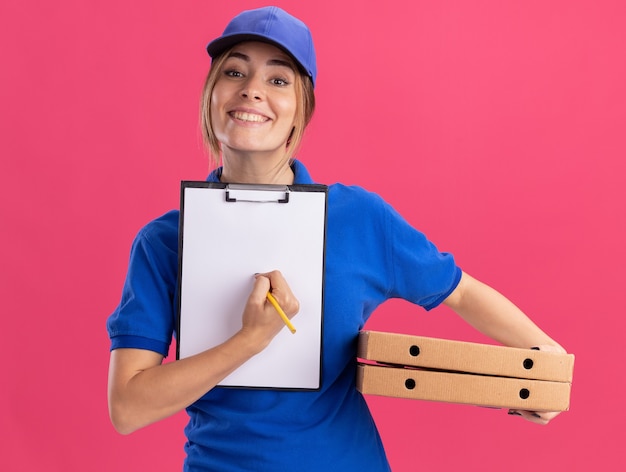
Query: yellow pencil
point(280, 311)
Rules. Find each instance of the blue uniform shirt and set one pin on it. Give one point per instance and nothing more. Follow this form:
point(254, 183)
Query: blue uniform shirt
point(372, 254)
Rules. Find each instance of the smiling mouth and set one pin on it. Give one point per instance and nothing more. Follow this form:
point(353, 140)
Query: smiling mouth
point(250, 117)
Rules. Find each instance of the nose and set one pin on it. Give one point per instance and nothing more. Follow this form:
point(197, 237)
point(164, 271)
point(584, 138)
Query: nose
point(252, 88)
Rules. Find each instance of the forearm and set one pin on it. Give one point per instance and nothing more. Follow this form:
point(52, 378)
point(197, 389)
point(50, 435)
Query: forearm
point(152, 391)
point(495, 316)
point(142, 390)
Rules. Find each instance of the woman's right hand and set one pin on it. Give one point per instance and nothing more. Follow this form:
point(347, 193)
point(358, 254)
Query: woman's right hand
point(261, 322)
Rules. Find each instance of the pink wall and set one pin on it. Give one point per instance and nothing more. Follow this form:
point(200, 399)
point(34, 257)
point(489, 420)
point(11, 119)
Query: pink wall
point(495, 127)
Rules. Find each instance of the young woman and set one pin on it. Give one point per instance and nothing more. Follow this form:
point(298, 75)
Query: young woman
point(257, 101)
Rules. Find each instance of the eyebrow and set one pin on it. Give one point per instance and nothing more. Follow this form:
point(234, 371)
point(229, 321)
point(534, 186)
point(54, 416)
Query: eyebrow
point(271, 62)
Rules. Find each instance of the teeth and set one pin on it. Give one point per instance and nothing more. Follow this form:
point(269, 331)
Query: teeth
point(249, 117)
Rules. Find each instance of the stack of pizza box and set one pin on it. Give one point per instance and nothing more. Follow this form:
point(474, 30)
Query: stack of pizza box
point(422, 368)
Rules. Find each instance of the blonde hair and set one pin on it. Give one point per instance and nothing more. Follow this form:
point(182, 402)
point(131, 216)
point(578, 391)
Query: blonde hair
point(305, 106)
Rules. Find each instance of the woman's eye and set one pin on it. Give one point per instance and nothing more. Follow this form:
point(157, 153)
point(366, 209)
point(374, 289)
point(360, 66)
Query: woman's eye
point(279, 81)
point(232, 73)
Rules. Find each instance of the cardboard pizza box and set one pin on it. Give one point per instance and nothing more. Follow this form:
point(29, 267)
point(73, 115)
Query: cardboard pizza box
point(461, 356)
point(481, 390)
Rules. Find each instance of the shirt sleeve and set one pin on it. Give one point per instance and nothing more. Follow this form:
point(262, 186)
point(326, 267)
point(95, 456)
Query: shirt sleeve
point(145, 317)
point(421, 273)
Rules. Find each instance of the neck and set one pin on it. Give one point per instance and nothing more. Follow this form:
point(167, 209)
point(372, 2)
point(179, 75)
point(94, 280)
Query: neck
point(256, 170)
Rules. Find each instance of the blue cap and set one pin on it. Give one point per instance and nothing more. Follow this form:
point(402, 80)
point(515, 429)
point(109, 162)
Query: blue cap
point(274, 26)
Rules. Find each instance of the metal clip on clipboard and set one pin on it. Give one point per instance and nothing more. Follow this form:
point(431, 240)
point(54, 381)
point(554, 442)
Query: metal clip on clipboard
point(256, 193)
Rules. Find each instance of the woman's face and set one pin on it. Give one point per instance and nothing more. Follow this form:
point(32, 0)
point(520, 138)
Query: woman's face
point(253, 103)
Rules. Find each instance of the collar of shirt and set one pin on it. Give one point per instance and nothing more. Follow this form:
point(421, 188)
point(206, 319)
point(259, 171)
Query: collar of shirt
point(301, 174)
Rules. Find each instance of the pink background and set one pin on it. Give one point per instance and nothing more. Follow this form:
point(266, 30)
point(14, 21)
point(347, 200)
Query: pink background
point(496, 127)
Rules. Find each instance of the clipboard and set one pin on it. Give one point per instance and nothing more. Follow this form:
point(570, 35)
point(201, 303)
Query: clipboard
point(228, 233)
